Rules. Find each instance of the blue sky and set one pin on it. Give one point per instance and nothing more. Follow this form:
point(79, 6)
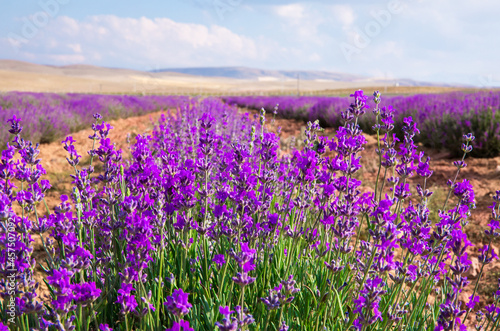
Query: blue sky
point(431, 40)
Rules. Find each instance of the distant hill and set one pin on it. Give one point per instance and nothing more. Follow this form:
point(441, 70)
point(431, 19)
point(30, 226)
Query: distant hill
point(25, 76)
point(284, 75)
point(263, 74)
point(76, 70)
point(237, 73)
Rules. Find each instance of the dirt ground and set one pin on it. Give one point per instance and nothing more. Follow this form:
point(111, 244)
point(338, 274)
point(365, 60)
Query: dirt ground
point(484, 174)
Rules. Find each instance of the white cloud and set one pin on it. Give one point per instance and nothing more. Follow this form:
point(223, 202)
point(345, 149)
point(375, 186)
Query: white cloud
point(293, 11)
point(68, 58)
point(76, 48)
point(161, 41)
point(314, 57)
point(301, 22)
point(343, 14)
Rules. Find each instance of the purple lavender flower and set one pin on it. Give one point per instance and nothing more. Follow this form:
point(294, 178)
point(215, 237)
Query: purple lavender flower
point(85, 293)
point(228, 323)
point(245, 257)
point(376, 98)
point(387, 118)
point(219, 260)
point(487, 254)
point(458, 242)
point(74, 158)
point(225, 311)
point(180, 326)
point(61, 284)
point(126, 298)
point(273, 300)
point(464, 191)
point(357, 108)
point(178, 303)
point(472, 302)
point(335, 266)
point(423, 166)
point(449, 314)
point(367, 304)
point(281, 294)
point(15, 128)
point(283, 327)
point(492, 311)
point(243, 279)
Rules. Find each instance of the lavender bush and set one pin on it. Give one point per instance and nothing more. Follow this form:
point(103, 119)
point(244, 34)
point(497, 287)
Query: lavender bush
point(208, 227)
point(49, 116)
point(443, 118)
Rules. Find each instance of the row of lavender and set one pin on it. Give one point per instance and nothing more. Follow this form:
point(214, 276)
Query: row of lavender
point(207, 227)
point(49, 116)
point(442, 118)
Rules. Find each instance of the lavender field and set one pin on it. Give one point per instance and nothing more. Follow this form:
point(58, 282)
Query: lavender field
point(209, 226)
point(48, 116)
point(442, 118)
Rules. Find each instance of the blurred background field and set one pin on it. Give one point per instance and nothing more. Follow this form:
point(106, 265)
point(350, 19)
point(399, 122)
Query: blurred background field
point(48, 116)
point(443, 117)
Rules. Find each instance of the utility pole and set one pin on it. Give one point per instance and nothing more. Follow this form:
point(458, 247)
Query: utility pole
point(298, 84)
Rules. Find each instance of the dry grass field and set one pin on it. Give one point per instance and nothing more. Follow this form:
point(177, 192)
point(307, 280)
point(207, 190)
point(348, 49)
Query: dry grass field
point(23, 76)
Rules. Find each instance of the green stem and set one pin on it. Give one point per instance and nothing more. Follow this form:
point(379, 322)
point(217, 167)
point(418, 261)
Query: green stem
point(22, 323)
point(478, 279)
point(368, 266)
point(242, 304)
point(454, 180)
point(424, 287)
point(93, 312)
point(80, 317)
point(379, 156)
point(383, 184)
point(223, 277)
point(206, 274)
point(158, 293)
point(47, 212)
point(267, 319)
point(126, 323)
point(496, 323)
